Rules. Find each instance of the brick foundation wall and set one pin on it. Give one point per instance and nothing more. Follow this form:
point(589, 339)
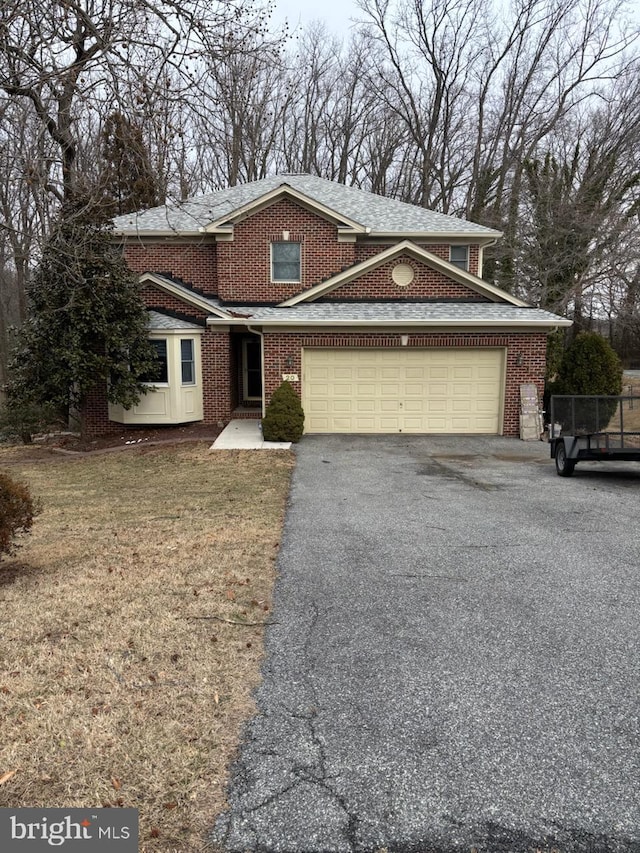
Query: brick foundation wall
point(195, 264)
point(530, 346)
point(379, 284)
point(95, 414)
point(244, 265)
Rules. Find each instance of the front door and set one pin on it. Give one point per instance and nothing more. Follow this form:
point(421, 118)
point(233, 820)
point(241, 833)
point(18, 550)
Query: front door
point(251, 369)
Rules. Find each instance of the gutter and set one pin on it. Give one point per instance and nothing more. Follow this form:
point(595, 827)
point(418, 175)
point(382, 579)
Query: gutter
point(481, 326)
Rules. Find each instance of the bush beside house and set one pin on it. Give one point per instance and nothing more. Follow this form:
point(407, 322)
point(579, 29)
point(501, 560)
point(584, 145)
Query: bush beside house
point(284, 417)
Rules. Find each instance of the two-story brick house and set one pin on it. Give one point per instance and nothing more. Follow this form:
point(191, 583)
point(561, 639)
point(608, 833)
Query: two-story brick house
point(374, 309)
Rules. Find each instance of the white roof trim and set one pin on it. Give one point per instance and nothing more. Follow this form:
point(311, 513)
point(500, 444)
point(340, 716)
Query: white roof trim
point(403, 248)
point(450, 323)
point(167, 233)
point(222, 225)
point(487, 238)
point(183, 294)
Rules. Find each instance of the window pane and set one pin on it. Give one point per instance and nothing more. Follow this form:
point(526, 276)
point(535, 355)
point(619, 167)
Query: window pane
point(459, 256)
point(159, 372)
point(285, 261)
point(187, 362)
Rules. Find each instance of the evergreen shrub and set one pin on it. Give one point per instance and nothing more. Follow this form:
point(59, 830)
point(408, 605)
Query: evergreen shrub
point(591, 367)
point(284, 417)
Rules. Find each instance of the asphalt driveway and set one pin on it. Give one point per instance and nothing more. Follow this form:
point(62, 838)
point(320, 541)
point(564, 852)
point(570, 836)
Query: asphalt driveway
point(454, 662)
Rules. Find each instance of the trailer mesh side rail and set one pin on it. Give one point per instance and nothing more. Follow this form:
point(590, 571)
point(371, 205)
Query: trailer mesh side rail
point(594, 428)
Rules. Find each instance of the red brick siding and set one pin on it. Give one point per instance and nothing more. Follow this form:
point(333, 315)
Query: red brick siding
point(153, 297)
point(427, 284)
point(531, 346)
point(95, 414)
point(217, 377)
point(195, 264)
point(364, 251)
point(474, 254)
point(244, 265)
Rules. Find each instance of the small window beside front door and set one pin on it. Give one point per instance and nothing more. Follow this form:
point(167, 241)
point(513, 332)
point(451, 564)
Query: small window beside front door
point(251, 369)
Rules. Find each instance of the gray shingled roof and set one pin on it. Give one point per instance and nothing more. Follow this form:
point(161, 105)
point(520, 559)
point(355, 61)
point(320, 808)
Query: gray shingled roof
point(385, 312)
point(343, 313)
point(162, 322)
point(380, 214)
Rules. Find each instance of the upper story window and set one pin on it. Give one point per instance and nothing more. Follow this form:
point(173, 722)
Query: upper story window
point(160, 370)
point(459, 256)
point(187, 361)
point(285, 261)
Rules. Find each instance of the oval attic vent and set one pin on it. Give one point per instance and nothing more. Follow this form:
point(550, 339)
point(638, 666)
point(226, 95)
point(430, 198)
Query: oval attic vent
point(403, 274)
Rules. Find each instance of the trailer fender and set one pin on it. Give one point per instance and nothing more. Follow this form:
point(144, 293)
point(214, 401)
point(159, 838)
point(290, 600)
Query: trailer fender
point(565, 466)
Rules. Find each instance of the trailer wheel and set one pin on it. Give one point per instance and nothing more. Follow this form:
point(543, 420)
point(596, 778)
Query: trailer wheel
point(564, 466)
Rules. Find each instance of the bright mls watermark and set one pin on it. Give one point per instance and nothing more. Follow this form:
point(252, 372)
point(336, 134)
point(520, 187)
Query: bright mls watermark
point(79, 830)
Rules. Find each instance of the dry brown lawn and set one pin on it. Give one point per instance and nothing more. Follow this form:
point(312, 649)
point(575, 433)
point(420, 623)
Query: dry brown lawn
point(117, 688)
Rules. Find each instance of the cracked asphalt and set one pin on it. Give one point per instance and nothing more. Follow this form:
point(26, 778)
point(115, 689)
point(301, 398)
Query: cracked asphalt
point(454, 663)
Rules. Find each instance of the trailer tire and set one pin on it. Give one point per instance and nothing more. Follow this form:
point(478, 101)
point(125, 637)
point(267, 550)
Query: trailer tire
point(564, 466)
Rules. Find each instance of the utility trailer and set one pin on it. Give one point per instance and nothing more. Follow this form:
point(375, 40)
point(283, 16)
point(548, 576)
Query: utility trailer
point(602, 429)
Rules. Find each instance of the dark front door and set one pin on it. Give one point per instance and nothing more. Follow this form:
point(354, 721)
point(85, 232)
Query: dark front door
point(251, 369)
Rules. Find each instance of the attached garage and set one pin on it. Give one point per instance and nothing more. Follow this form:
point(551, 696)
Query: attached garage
point(403, 390)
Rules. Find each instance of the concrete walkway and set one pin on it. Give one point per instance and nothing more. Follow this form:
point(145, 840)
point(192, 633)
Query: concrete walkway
point(246, 435)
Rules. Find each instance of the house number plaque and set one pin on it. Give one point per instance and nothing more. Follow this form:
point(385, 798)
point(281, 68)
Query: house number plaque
point(290, 377)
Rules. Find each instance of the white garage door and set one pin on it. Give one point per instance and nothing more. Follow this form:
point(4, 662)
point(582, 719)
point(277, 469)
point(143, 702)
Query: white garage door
point(403, 390)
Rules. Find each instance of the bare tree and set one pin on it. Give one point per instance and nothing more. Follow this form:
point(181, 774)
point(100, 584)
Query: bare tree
point(64, 56)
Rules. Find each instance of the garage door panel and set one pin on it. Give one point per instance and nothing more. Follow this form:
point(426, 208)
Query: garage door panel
point(403, 390)
point(436, 389)
point(363, 425)
point(388, 424)
point(437, 373)
point(414, 389)
point(462, 389)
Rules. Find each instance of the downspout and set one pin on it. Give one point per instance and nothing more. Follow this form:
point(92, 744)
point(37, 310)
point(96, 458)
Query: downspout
point(261, 336)
point(481, 255)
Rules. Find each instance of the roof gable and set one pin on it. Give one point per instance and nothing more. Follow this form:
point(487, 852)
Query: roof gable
point(406, 248)
point(184, 294)
point(225, 223)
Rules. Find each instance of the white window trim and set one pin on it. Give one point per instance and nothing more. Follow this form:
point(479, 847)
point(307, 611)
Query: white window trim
point(192, 361)
point(457, 263)
point(275, 280)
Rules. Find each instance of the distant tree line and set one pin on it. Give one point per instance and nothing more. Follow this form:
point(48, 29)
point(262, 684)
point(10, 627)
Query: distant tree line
point(522, 116)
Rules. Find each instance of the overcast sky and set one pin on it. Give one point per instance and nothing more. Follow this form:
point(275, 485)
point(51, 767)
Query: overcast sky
point(336, 13)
